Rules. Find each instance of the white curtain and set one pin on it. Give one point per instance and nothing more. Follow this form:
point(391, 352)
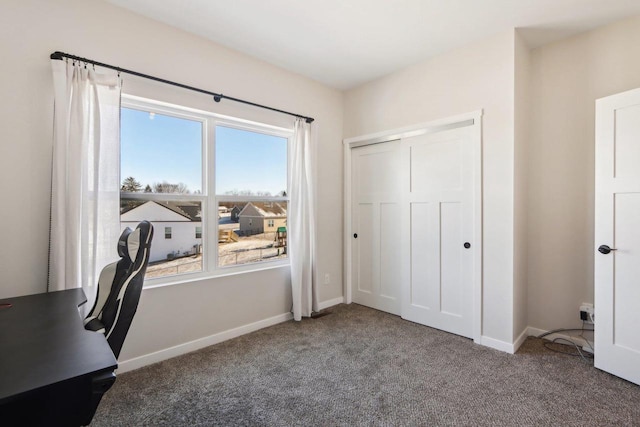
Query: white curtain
point(85, 222)
point(301, 223)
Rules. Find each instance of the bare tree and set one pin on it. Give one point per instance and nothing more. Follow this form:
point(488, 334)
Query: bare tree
point(236, 192)
point(166, 187)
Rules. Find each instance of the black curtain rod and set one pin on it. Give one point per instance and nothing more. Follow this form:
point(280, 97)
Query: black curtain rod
point(216, 96)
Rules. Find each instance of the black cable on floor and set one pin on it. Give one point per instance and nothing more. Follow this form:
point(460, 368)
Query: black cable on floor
point(586, 356)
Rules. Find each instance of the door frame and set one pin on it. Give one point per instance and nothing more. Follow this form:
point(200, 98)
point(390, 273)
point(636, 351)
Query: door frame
point(473, 119)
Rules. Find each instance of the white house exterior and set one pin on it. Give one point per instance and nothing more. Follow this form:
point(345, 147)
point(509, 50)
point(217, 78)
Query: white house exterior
point(176, 231)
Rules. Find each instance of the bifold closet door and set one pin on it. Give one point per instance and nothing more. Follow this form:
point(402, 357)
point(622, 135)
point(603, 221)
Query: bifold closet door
point(376, 240)
point(438, 284)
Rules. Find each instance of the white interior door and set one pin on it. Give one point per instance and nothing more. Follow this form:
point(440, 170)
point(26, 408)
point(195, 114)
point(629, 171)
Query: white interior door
point(438, 286)
point(376, 245)
point(617, 235)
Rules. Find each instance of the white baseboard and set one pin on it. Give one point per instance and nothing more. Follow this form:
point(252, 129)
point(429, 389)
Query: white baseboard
point(528, 332)
point(521, 339)
point(534, 332)
point(330, 303)
point(160, 355)
point(507, 347)
point(167, 353)
point(511, 347)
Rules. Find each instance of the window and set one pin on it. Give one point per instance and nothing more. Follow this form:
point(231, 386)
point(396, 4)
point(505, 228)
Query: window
point(251, 174)
point(189, 170)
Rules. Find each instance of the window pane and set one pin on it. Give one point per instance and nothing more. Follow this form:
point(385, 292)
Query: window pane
point(251, 232)
point(250, 163)
point(175, 249)
point(160, 153)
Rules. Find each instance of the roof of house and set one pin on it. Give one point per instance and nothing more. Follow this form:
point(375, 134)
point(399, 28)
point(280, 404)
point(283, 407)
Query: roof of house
point(192, 209)
point(189, 210)
point(264, 209)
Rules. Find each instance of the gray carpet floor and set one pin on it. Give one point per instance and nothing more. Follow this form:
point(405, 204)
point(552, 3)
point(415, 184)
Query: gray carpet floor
point(358, 366)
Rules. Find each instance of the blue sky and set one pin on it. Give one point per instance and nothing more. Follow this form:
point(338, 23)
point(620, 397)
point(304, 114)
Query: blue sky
point(157, 148)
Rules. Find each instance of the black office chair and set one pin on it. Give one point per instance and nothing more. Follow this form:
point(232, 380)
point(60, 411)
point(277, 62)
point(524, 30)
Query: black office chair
point(120, 286)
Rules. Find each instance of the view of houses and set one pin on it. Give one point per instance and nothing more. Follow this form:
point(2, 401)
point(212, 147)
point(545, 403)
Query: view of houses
point(177, 227)
point(247, 232)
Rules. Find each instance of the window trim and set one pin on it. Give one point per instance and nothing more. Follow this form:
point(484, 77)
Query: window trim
point(208, 198)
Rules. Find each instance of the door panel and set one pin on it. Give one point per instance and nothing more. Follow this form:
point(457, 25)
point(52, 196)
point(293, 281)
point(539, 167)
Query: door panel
point(627, 148)
point(436, 166)
point(389, 251)
point(627, 270)
point(375, 206)
point(364, 278)
point(451, 285)
point(377, 172)
point(441, 281)
point(617, 225)
point(424, 253)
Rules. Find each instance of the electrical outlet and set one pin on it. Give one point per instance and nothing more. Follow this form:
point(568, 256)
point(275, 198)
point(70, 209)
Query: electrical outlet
point(327, 279)
point(587, 313)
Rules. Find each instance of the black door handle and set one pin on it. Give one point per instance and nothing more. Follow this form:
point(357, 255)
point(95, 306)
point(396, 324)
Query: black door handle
point(355, 235)
point(604, 249)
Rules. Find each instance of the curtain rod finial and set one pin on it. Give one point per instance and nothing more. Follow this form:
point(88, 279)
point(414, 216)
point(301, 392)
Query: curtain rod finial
point(309, 120)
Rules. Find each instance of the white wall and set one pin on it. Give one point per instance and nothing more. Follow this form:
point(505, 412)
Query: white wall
point(522, 64)
point(30, 30)
point(567, 77)
point(477, 76)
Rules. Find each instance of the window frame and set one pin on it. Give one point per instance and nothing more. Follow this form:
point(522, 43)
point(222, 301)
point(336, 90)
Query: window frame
point(208, 199)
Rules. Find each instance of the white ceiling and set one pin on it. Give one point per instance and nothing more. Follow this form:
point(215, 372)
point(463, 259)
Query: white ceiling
point(344, 43)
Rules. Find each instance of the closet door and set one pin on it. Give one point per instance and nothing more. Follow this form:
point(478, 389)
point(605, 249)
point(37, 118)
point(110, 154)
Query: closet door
point(438, 287)
point(617, 235)
point(376, 240)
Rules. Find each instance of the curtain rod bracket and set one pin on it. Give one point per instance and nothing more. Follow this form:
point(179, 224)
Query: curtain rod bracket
point(217, 98)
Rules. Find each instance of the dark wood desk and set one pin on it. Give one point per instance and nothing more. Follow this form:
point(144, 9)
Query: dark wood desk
point(52, 371)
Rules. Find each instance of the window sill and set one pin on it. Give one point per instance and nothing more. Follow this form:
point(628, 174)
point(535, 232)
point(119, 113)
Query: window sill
point(219, 273)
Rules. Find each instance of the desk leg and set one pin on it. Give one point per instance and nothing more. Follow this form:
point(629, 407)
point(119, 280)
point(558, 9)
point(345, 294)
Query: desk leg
point(100, 384)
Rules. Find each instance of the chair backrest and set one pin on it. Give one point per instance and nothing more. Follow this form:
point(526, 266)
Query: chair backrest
point(120, 286)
